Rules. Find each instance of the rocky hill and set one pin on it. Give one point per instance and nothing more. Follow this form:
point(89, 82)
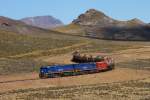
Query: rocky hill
point(96, 24)
point(94, 17)
point(45, 22)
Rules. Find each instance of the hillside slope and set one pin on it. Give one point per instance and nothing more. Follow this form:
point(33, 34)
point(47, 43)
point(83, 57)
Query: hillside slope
point(14, 44)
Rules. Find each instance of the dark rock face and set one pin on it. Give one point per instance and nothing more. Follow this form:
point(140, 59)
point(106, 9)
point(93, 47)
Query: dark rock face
point(96, 24)
point(46, 22)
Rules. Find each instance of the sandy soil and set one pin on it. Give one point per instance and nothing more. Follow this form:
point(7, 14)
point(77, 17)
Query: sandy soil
point(31, 80)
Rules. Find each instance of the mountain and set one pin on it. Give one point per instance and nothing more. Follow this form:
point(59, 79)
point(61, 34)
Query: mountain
point(45, 22)
point(96, 24)
point(19, 27)
point(94, 17)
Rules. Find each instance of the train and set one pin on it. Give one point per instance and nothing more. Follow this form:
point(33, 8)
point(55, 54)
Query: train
point(75, 69)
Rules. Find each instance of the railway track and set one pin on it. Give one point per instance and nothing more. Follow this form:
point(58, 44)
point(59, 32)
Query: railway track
point(98, 78)
point(12, 81)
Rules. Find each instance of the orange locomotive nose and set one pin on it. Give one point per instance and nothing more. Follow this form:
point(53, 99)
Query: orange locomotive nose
point(102, 65)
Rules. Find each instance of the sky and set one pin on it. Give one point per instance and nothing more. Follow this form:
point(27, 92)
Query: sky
point(67, 10)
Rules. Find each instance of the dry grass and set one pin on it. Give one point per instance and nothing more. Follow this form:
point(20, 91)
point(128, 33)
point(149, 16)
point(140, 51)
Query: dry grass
point(14, 44)
point(142, 64)
point(71, 29)
point(15, 54)
point(130, 90)
point(23, 65)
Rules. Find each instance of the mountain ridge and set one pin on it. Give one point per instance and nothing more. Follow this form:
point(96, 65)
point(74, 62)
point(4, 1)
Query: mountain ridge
point(19, 27)
point(95, 24)
point(95, 17)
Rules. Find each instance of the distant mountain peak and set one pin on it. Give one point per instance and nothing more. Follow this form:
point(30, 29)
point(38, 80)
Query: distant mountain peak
point(46, 22)
point(137, 21)
point(93, 17)
point(94, 11)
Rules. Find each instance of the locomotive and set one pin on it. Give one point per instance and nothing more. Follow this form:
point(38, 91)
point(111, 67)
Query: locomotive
point(76, 69)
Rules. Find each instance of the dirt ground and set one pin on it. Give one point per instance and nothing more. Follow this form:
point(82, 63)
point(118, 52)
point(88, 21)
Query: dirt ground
point(31, 80)
point(121, 56)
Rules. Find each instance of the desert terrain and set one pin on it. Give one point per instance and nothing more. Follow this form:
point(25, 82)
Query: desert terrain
point(24, 84)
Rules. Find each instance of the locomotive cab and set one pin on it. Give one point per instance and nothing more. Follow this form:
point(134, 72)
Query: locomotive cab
point(43, 72)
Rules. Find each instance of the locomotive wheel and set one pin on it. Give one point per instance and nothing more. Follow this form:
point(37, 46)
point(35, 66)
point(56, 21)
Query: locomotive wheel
point(111, 67)
point(57, 75)
point(41, 76)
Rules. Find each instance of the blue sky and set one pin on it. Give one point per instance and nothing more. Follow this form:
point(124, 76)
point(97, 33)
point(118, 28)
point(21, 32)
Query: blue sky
point(67, 10)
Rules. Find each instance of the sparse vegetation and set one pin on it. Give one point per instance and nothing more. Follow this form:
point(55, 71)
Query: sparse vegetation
point(18, 51)
point(23, 65)
point(14, 44)
point(129, 90)
point(109, 46)
point(71, 29)
point(142, 64)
